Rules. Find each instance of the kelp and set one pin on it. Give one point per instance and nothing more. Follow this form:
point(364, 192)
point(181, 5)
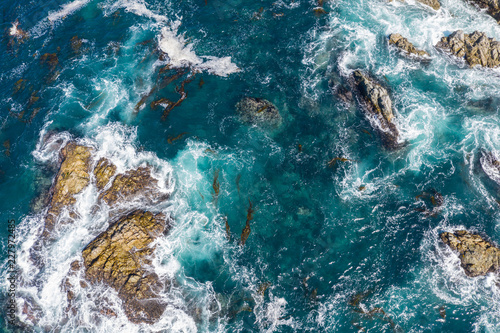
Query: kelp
point(246, 231)
point(161, 84)
point(216, 186)
point(201, 83)
point(181, 90)
point(96, 101)
point(19, 85)
point(50, 59)
point(171, 139)
point(263, 287)
point(76, 44)
point(6, 145)
point(228, 229)
point(375, 313)
point(334, 160)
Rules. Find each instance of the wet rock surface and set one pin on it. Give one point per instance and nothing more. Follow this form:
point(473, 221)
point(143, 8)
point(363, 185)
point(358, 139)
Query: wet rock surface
point(475, 48)
point(434, 4)
point(405, 46)
point(258, 111)
point(121, 256)
point(137, 184)
point(103, 172)
point(492, 7)
point(72, 178)
point(477, 256)
point(377, 105)
point(491, 166)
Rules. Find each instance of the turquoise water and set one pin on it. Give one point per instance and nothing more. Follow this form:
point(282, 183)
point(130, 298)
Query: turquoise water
point(345, 248)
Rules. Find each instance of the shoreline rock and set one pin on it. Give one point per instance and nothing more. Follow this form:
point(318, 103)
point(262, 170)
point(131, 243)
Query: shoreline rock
point(377, 105)
point(475, 48)
point(121, 257)
point(72, 178)
point(405, 47)
point(258, 111)
point(492, 7)
point(477, 256)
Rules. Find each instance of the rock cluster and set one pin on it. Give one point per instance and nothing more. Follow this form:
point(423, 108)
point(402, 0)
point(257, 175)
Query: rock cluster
point(119, 257)
point(377, 105)
point(477, 255)
point(492, 6)
point(475, 48)
point(258, 111)
point(405, 46)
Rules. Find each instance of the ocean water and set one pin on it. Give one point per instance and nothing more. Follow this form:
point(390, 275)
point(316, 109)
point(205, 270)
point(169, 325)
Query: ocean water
point(349, 248)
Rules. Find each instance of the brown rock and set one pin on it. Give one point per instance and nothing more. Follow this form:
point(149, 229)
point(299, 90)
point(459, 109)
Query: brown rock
point(405, 46)
point(72, 178)
point(434, 4)
point(378, 107)
point(119, 257)
point(477, 255)
point(103, 172)
point(475, 48)
point(492, 7)
point(134, 184)
point(259, 111)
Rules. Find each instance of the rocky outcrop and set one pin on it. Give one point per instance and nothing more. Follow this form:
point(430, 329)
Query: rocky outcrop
point(120, 257)
point(137, 184)
point(103, 172)
point(477, 255)
point(492, 7)
point(475, 48)
point(434, 4)
point(377, 105)
point(258, 111)
point(72, 178)
point(405, 46)
point(491, 166)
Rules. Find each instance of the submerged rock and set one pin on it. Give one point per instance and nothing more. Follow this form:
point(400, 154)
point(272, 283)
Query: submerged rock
point(120, 258)
point(137, 184)
point(477, 255)
point(72, 178)
point(258, 111)
point(405, 46)
point(475, 48)
point(492, 7)
point(378, 107)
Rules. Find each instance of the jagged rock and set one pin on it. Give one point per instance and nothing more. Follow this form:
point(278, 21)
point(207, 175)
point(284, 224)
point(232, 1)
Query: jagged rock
point(477, 255)
point(133, 184)
point(491, 166)
point(492, 7)
point(405, 46)
point(378, 107)
point(431, 3)
point(103, 172)
point(475, 48)
point(120, 258)
point(72, 178)
point(258, 111)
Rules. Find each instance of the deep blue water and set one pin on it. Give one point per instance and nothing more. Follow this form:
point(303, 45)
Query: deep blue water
point(343, 248)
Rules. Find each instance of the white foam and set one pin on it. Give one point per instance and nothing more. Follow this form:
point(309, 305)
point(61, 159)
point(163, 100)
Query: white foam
point(181, 54)
point(66, 10)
